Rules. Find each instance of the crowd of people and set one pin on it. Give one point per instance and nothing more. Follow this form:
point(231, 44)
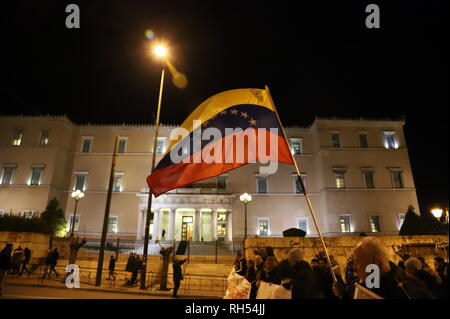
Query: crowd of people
point(13, 262)
point(411, 278)
point(133, 266)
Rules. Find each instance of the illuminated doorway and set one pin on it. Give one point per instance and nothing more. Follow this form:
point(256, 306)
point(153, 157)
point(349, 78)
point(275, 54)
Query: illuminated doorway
point(186, 228)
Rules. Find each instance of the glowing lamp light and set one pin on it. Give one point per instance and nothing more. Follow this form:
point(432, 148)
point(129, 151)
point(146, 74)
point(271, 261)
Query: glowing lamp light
point(245, 198)
point(160, 51)
point(77, 195)
point(437, 212)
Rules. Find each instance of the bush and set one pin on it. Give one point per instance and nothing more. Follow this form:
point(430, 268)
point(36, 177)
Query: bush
point(23, 224)
point(53, 216)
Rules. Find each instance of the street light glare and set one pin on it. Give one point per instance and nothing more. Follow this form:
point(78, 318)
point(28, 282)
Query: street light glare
point(437, 212)
point(160, 50)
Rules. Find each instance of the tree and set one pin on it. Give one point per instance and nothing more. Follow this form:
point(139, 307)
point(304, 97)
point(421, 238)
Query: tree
point(54, 218)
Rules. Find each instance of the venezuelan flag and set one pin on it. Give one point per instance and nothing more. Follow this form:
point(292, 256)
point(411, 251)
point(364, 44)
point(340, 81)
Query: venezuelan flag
point(248, 109)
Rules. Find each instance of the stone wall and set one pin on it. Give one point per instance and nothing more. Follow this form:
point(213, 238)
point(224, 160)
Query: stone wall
point(38, 243)
point(341, 247)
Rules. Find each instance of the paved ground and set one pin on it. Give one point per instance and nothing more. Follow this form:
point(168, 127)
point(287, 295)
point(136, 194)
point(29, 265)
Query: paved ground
point(27, 292)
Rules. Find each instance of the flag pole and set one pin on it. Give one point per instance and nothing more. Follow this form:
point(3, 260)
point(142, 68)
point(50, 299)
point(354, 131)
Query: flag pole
point(300, 181)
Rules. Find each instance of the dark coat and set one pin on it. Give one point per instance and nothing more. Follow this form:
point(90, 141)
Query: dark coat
point(411, 225)
point(177, 272)
point(271, 276)
point(5, 258)
point(259, 272)
point(251, 274)
point(54, 256)
point(130, 263)
point(241, 267)
point(112, 264)
point(27, 253)
point(303, 284)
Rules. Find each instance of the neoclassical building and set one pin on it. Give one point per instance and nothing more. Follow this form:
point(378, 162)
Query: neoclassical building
point(357, 172)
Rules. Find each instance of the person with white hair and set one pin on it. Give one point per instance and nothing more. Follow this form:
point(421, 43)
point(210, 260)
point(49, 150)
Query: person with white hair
point(392, 284)
point(303, 283)
point(414, 268)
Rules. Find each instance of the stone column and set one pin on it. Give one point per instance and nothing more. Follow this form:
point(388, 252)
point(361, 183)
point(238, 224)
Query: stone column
point(197, 225)
point(156, 225)
point(229, 226)
point(214, 225)
point(140, 225)
point(171, 230)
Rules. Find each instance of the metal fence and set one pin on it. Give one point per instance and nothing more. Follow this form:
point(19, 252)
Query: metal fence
point(217, 252)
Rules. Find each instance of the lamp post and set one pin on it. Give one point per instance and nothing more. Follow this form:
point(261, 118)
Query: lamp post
point(160, 51)
point(437, 212)
point(76, 195)
point(246, 198)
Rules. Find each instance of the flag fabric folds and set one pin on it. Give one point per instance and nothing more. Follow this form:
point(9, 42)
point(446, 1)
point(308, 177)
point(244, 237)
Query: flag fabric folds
point(250, 110)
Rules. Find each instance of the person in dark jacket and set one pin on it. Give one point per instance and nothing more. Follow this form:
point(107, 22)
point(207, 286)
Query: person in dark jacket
point(112, 268)
point(259, 271)
point(54, 261)
point(270, 273)
point(5, 264)
point(303, 283)
point(26, 261)
point(411, 224)
point(17, 260)
point(414, 268)
point(177, 276)
point(251, 272)
point(240, 264)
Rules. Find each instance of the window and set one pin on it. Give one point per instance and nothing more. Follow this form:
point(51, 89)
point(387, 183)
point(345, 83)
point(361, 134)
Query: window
point(368, 178)
point(335, 139)
point(28, 213)
point(344, 221)
point(362, 140)
point(122, 144)
point(297, 188)
point(80, 181)
point(374, 223)
point(397, 179)
point(261, 184)
point(296, 146)
point(389, 140)
point(401, 219)
point(113, 224)
point(8, 172)
point(302, 223)
point(222, 182)
point(263, 226)
point(118, 182)
point(17, 137)
point(77, 223)
point(36, 172)
point(86, 144)
point(160, 145)
point(45, 137)
point(339, 175)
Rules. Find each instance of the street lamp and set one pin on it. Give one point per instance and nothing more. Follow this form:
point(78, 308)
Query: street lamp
point(437, 212)
point(246, 198)
point(76, 195)
point(160, 51)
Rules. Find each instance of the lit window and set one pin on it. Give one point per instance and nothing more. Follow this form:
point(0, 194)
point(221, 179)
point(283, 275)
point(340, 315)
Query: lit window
point(340, 178)
point(45, 137)
point(261, 184)
point(390, 141)
point(363, 140)
point(264, 227)
point(122, 145)
point(344, 221)
point(297, 186)
point(118, 182)
point(113, 224)
point(77, 222)
point(303, 224)
point(296, 146)
point(160, 145)
point(7, 175)
point(17, 138)
point(368, 178)
point(86, 144)
point(335, 140)
point(374, 224)
point(80, 181)
point(397, 179)
point(28, 213)
point(36, 172)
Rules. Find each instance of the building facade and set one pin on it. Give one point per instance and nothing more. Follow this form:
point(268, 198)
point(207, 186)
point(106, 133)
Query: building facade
point(357, 173)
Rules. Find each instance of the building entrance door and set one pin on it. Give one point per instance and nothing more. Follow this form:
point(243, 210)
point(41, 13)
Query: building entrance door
point(186, 228)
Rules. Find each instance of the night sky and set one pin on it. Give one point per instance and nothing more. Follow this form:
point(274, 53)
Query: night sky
point(317, 57)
